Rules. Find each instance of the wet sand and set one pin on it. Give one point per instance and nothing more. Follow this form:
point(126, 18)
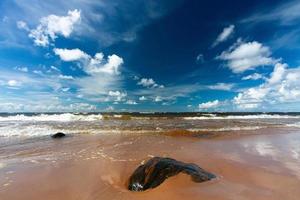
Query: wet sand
point(265, 165)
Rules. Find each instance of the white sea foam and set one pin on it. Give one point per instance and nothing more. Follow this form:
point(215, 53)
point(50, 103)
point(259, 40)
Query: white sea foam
point(296, 125)
point(261, 116)
point(66, 117)
point(234, 128)
point(28, 131)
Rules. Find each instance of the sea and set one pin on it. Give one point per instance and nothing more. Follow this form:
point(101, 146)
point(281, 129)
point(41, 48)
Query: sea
point(33, 125)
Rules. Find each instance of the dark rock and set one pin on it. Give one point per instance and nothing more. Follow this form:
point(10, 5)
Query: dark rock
point(157, 170)
point(58, 135)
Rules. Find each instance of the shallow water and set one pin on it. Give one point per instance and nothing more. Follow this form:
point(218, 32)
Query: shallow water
point(39, 125)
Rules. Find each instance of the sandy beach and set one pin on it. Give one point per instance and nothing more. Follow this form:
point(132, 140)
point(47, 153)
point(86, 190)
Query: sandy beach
point(262, 164)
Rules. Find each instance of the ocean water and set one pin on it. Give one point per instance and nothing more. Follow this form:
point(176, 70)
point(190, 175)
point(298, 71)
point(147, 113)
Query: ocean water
point(28, 125)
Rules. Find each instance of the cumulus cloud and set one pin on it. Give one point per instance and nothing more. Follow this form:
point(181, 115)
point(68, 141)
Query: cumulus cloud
point(277, 74)
point(226, 33)
point(149, 83)
point(117, 95)
point(142, 98)
point(281, 87)
point(51, 27)
point(91, 65)
point(131, 102)
point(255, 76)
point(221, 86)
point(158, 99)
point(70, 54)
point(98, 64)
point(209, 105)
point(102, 74)
point(242, 57)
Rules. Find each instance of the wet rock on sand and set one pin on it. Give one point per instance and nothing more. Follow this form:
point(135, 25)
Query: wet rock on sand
point(157, 170)
point(58, 135)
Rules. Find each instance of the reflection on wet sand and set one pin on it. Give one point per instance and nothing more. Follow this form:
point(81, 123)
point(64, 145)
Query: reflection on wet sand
point(260, 166)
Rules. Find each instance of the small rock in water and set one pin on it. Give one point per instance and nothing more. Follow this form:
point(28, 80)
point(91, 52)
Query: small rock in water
point(156, 170)
point(58, 135)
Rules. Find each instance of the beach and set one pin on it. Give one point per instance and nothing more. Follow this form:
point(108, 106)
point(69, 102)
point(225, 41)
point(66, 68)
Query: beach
point(253, 157)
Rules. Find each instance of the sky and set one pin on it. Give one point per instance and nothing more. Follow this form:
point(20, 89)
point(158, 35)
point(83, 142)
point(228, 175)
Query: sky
point(149, 55)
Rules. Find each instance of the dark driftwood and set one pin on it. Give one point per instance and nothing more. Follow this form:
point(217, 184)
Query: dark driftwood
point(157, 170)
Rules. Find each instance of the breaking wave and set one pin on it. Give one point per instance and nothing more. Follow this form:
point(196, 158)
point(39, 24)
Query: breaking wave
point(65, 117)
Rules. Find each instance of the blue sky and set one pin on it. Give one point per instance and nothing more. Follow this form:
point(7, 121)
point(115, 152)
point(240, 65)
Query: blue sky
point(170, 55)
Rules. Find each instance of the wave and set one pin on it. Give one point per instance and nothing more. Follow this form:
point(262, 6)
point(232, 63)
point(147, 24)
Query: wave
point(65, 117)
point(39, 130)
point(295, 125)
point(262, 116)
point(28, 131)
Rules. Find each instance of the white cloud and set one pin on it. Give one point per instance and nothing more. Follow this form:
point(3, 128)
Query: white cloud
point(82, 107)
point(226, 33)
point(22, 69)
point(131, 102)
point(70, 54)
point(28, 81)
point(117, 95)
point(39, 72)
point(14, 83)
point(254, 76)
point(54, 68)
point(110, 108)
point(65, 77)
point(158, 99)
point(200, 58)
point(247, 56)
point(51, 27)
point(65, 89)
point(286, 14)
point(221, 86)
point(146, 82)
point(281, 87)
point(142, 98)
point(92, 65)
point(149, 83)
point(277, 74)
point(209, 105)
point(98, 64)
point(22, 25)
